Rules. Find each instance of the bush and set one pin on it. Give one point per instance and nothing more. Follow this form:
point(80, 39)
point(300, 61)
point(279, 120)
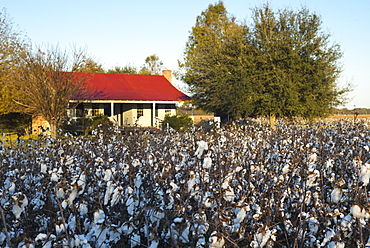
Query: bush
point(101, 122)
point(181, 122)
point(15, 122)
point(85, 125)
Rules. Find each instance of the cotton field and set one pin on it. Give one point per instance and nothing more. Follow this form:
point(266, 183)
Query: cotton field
point(238, 186)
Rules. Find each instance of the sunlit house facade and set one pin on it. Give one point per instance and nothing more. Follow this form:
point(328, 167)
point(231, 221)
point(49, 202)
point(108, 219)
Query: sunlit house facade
point(128, 100)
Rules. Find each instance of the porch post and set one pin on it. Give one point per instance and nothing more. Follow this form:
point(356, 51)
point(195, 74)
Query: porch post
point(112, 111)
point(153, 115)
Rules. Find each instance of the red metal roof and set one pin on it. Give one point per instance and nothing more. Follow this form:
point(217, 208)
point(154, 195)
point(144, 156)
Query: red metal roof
point(133, 87)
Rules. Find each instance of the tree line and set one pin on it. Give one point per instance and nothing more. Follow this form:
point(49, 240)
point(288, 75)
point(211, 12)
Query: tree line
point(355, 111)
point(152, 66)
point(280, 65)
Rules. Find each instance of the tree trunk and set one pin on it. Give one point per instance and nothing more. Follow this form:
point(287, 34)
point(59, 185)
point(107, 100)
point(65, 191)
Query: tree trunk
point(272, 119)
point(53, 129)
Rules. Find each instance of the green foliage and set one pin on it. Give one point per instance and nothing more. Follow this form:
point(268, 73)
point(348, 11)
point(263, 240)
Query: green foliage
point(181, 122)
point(153, 66)
point(128, 69)
point(15, 122)
point(90, 66)
point(215, 63)
point(86, 125)
point(280, 65)
point(101, 122)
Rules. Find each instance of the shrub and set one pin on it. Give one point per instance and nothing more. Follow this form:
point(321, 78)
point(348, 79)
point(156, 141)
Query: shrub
point(15, 122)
point(85, 125)
point(101, 122)
point(181, 122)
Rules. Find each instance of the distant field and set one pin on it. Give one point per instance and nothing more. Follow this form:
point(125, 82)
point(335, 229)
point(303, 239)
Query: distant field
point(349, 116)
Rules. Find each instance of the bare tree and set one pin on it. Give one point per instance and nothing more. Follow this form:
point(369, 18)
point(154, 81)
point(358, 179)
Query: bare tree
point(46, 81)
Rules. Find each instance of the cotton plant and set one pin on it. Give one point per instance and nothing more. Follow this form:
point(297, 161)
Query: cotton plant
point(168, 187)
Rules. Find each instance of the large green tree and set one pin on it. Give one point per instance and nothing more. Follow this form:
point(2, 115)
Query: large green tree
point(216, 63)
point(280, 65)
point(296, 67)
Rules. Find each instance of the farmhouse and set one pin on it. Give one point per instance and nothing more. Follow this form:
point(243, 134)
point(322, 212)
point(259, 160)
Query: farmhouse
point(128, 100)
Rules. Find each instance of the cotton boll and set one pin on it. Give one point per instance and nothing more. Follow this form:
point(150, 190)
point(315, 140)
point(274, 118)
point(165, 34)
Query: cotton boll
point(81, 183)
point(192, 181)
point(311, 178)
point(336, 195)
point(99, 216)
point(263, 237)
point(131, 204)
point(241, 213)
point(11, 188)
point(117, 193)
point(20, 202)
point(225, 185)
point(328, 235)
point(108, 192)
point(229, 194)
point(127, 228)
point(135, 162)
point(64, 204)
point(43, 168)
point(180, 230)
point(59, 228)
point(202, 145)
point(216, 240)
point(207, 163)
point(365, 174)
point(125, 169)
point(72, 195)
point(48, 244)
point(174, 186)
point(54, 177)
point(357, 212)
point(72, 223)
point(41, 237)
point(107, 175)
point(83, 209)
point(138, 181)
point(334, 244)
point(313, 225)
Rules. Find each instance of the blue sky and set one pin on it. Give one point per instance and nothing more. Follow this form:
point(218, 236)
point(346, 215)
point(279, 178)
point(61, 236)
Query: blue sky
point(120, 32)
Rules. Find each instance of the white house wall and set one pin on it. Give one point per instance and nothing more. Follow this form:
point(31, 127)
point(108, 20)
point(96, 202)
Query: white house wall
point(125, 113)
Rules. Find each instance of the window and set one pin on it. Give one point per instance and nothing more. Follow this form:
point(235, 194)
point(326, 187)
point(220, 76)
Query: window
point(140, 110)
point(167, 110)
point(95, 109)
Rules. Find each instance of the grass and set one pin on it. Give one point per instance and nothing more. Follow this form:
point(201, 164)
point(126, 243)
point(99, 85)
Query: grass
point(10, 139)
